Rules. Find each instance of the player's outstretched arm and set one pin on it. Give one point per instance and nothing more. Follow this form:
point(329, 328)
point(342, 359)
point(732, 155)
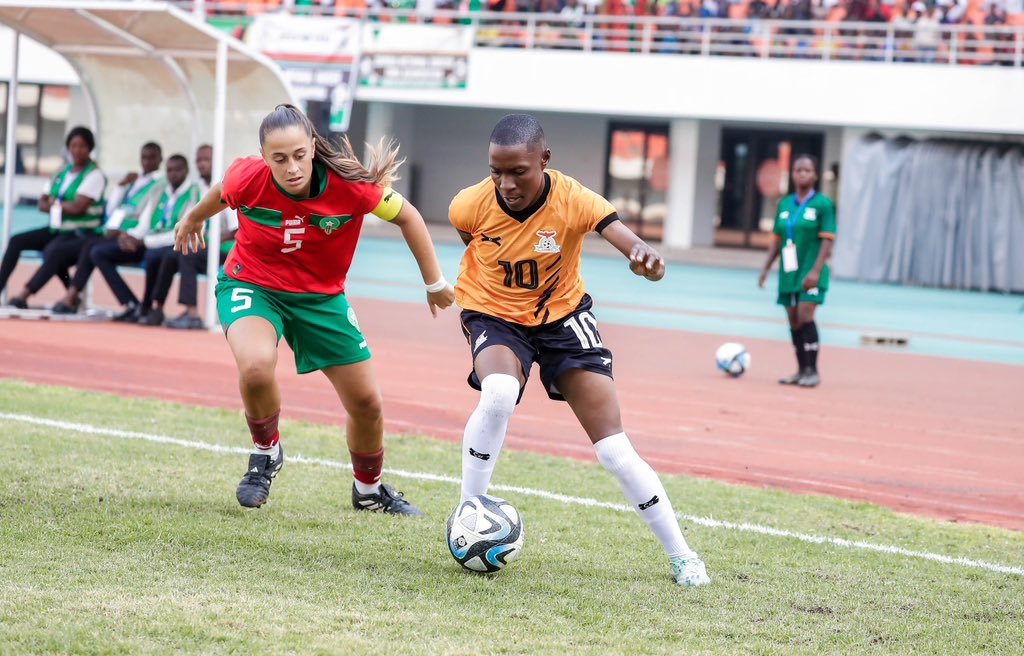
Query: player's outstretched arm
point(439, 293)
point(188, 233)
point(643, 259)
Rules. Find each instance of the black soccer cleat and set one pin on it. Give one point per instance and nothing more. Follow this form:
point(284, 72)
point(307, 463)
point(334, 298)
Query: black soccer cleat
point(791, 380)
point(809, 379)
point(388, 501)
point(254, 489)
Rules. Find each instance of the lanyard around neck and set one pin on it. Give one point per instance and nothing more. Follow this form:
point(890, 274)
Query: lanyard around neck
point(797, 211)
point(61, 195)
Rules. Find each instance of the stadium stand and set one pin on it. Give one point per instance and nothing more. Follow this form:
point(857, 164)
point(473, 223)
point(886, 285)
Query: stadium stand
point(966, 32)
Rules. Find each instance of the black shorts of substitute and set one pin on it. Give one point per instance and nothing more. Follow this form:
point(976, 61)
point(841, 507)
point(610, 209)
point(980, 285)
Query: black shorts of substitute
point(572, 342)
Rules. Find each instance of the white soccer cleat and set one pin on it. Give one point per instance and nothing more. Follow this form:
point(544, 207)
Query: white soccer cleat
point(689, 573)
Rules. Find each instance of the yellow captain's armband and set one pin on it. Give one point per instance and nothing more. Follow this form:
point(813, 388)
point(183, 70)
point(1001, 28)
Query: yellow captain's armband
point(390, 205)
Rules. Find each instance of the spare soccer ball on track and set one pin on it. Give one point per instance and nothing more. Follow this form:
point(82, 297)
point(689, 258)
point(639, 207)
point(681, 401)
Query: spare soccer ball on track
point(485, 533)
point(732, 358)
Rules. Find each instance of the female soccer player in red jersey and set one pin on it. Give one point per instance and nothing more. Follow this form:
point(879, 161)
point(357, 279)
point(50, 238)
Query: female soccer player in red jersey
point(300, 208)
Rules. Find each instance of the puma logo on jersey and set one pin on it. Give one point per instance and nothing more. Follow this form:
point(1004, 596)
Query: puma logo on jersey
point(480, 340)
point(606, 361)
point(547, 242)
point(297, 221)
point(493, 240)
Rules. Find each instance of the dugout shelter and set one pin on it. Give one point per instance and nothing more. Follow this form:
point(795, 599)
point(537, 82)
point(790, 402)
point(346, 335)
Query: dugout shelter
point(149, 72)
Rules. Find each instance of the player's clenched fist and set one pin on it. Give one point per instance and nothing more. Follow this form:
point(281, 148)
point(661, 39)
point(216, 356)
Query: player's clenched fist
point(645, 261)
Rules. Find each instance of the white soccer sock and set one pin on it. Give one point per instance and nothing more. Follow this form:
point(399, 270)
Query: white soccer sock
point(644, 492)
point(366, 488)
point(485, 432)
point(273, 451)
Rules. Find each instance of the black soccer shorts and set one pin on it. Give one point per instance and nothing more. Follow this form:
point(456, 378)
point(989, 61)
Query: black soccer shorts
point(572, 342)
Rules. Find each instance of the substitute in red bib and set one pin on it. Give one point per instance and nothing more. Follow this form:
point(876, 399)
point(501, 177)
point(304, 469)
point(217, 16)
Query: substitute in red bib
point(300, 208)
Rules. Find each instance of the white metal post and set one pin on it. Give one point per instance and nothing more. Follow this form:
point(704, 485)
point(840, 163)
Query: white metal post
point(213, 236)
point(10, 149)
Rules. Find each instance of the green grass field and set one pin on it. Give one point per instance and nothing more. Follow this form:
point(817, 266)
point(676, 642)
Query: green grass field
point(115, 545)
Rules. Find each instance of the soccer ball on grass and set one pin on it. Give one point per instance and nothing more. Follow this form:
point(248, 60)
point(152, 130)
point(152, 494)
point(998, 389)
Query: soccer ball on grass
point(485, 533)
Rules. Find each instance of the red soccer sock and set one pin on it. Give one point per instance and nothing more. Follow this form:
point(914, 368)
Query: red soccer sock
point(366, 467)
point(265, 434)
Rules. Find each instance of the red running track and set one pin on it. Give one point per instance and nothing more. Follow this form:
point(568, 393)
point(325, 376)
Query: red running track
point(924, 435)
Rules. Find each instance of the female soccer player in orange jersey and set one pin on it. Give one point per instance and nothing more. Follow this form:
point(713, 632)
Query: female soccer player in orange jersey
point(300, 208)
point(523, 301)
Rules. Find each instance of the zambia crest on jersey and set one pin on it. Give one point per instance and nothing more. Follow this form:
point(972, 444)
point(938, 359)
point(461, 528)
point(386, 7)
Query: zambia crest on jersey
point(547, 242)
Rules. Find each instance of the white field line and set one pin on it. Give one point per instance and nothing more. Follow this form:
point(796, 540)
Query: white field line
point(551, 496)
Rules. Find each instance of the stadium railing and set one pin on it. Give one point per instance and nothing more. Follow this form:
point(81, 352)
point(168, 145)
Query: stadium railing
point(707, 37)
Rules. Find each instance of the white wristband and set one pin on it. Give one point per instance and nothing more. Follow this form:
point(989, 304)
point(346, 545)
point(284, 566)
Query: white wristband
point(437, 286)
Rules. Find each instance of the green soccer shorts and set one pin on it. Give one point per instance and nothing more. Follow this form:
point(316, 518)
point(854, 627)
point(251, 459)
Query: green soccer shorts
point(791, 299)
point(322, 330)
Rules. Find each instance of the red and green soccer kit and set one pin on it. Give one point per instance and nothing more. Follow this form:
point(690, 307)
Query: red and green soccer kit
point(291, 257)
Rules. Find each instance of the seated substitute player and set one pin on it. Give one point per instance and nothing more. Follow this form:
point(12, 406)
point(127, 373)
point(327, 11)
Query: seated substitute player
point(134, 194)
point(145, 239)
point(190, 265)
point(300, 208)
point(523, 301)
point(179, 195)
point(74, 201)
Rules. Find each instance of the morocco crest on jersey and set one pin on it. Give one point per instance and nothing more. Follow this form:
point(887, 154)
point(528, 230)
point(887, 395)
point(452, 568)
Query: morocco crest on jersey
point(547, 242)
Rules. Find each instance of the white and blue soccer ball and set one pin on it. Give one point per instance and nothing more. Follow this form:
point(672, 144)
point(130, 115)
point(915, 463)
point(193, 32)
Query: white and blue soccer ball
point(732, 358)
point(485, 533)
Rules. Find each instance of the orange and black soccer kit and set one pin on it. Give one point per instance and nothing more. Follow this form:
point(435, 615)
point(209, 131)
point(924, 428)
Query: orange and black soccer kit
point(519, 283)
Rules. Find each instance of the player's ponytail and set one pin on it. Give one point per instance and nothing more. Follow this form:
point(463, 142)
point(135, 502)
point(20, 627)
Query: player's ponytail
point(339, 157)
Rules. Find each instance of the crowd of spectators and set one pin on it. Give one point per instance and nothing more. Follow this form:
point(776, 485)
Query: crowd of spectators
point(909, 30)
point(942, 12)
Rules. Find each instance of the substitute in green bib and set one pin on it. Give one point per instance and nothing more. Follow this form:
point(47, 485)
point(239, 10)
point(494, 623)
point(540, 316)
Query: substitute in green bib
point(805, 229)
point(74, 202)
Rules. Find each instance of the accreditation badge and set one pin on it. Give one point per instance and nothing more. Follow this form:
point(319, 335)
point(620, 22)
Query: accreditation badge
point(56, 215)
point(789, 261)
